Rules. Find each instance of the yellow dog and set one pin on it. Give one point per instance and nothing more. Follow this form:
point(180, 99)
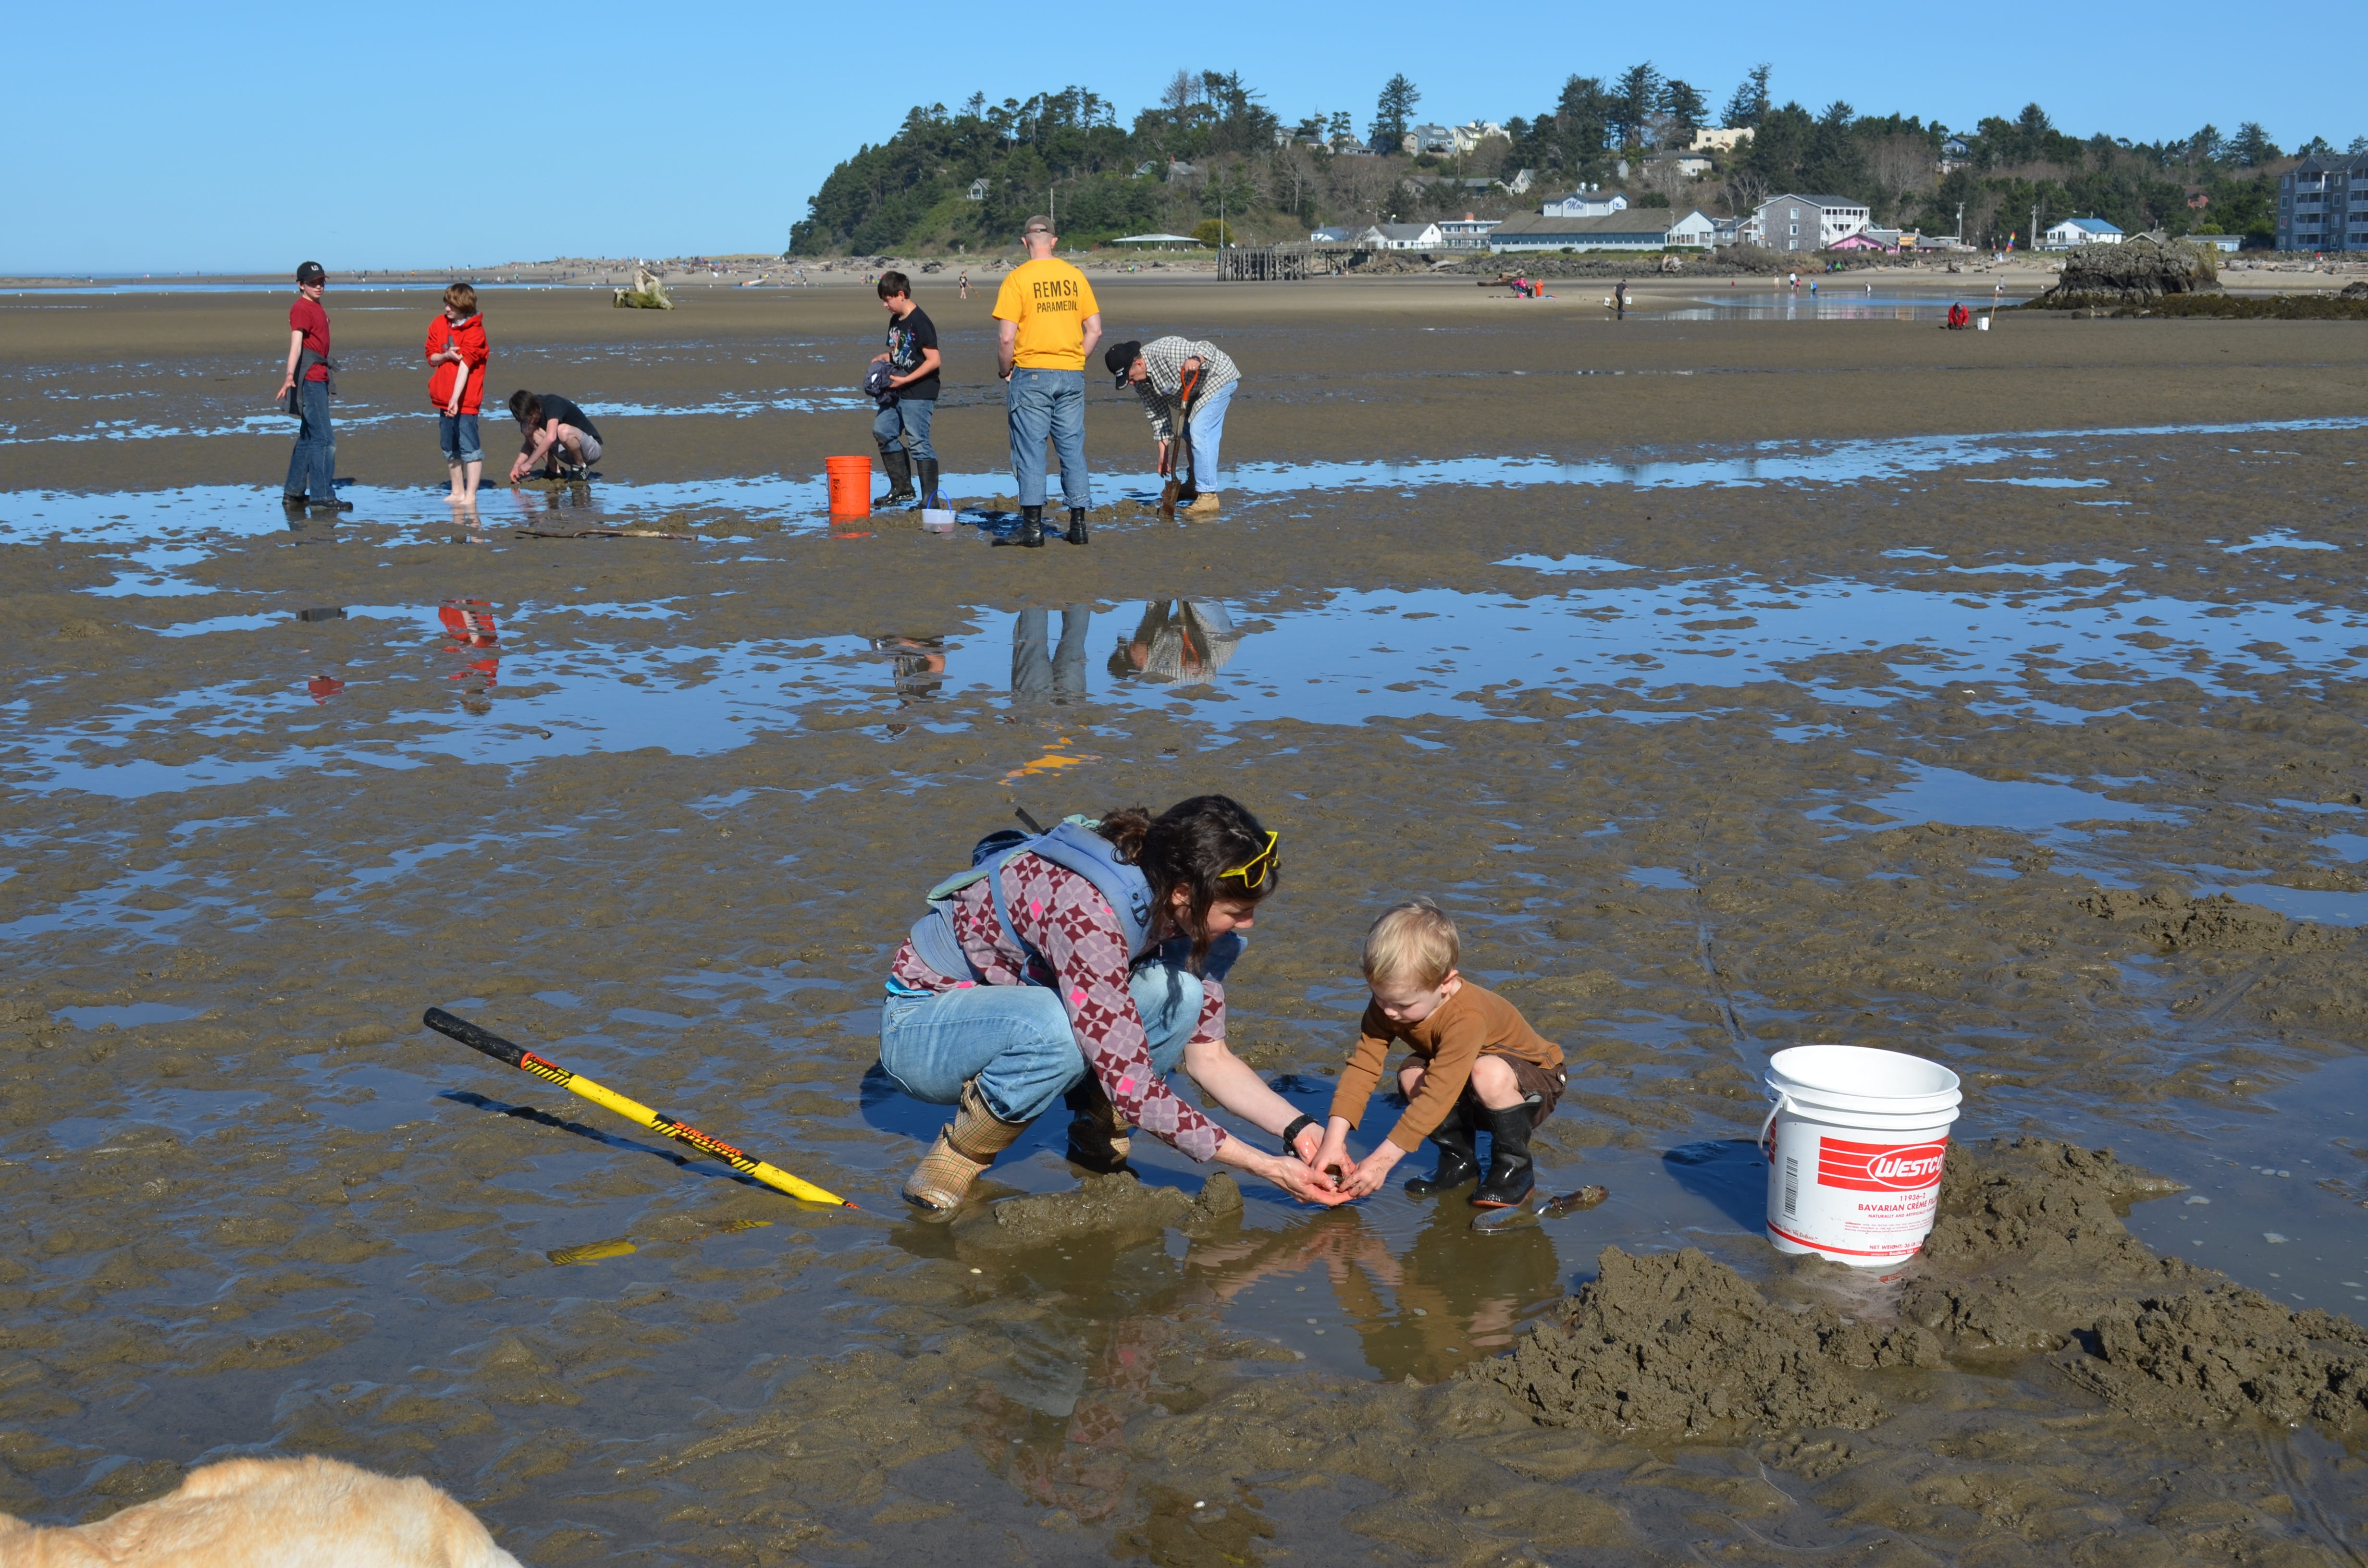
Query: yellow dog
point(270, 1513)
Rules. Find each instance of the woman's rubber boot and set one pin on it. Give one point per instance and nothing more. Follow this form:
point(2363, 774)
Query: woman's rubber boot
point(1032, 529)
point(1511, 1172)
point(899, 464)
point(1077, 525)
point(1458, 1162)
point(965, 1146)
point(1098, 1140)
point(927, 468)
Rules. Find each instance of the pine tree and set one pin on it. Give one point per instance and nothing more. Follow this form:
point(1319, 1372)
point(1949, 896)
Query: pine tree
point(1749, 105)
point(1396, 108)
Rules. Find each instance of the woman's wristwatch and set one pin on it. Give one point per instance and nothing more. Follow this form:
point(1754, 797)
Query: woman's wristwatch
point(1291, 1133)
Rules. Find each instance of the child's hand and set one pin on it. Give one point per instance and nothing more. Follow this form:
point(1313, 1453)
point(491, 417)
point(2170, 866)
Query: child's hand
point(1334, 1153)
point(1372, 1170)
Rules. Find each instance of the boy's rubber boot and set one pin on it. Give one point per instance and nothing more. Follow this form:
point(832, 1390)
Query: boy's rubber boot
point(1511, 1172)
point(899, 464)
point(1031, 530)
point(1458, 1161)
point(927, 468)
point(1077, 525)
point(1098, 1138)
point(965, 1146)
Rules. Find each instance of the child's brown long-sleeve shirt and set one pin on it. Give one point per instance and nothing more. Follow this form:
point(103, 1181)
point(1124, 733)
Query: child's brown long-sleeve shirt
point(1449, 1042)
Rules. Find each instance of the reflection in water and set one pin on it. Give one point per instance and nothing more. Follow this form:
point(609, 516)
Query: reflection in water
point(1039, 669)
point(1179, 642)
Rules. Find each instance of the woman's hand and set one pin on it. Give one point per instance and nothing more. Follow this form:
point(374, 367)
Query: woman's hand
point(1285, 1172)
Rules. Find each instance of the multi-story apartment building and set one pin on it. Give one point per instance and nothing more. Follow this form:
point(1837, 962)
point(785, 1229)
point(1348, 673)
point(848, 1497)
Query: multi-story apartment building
point(2323, 204)
point(1809, 222)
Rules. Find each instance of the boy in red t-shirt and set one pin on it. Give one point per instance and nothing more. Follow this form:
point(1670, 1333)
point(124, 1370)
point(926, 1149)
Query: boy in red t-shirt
point(456, 346)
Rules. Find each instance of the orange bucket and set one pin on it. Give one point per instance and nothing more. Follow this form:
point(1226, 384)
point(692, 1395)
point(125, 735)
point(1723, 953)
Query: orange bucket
point(850, 486)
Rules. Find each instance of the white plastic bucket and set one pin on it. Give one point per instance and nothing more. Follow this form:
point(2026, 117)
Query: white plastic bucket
point(937, 519)
point(1855, 1146)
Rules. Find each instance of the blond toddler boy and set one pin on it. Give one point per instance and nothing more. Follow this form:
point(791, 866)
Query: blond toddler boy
point(1475, 1064)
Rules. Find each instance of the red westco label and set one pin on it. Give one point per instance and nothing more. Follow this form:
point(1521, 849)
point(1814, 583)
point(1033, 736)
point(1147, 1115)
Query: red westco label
point(1879, 1168)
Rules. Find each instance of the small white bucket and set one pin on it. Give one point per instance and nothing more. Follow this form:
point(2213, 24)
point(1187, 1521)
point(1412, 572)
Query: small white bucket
point(937, 519)
point(1855, 1146)
point(1981, 323)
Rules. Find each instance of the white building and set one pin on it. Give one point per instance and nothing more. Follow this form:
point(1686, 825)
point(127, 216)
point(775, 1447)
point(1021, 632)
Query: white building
point(1472, 132)
point(1696, 228)
point(1436, 138)
point(1723, 139)
point(1646, 229)
point(1586, 201)
point(1403, 236)
point(977, 191)
point(2083, 232)
point(1466, 232)
point(1694, 165)
point(1809, 222)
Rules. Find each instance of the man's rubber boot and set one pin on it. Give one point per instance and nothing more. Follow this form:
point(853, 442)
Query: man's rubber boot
point(1077, 525)
point(899, 464)
point(1032, 529)
point(1098, 1140)
point(927, 468)
point(330, 505)
point(1458, 1161)
point(1204, 505)
point(965, 1146)
point(1511, 1172)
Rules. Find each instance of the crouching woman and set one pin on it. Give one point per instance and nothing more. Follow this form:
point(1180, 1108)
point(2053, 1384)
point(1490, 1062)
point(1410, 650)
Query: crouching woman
point(1082, 966)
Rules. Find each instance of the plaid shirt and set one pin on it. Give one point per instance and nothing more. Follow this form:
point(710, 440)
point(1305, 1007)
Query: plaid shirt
point(1162, 387)
point(1065, 915)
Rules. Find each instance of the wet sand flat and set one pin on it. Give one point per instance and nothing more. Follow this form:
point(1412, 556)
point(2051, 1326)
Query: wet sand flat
point(1735, 683)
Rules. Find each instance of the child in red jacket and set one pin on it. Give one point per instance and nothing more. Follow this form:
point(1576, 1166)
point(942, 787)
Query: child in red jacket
point(456, 346)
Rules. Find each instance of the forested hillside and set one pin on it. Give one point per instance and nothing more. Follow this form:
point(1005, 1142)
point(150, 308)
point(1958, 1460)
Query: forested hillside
point(966, 179)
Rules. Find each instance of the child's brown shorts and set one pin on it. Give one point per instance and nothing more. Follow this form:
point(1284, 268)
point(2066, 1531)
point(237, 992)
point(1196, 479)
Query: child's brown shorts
point(1541, 1086)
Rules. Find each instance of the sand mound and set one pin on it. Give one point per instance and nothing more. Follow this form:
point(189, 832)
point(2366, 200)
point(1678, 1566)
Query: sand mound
point(1682, 1343)
point(1108, 1206)
point(2174, 921)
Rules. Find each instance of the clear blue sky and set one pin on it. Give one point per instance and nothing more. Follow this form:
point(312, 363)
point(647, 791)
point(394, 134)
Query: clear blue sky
point(232, 136)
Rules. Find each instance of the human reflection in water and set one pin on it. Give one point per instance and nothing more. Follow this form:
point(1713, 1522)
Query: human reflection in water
point(1040, 670)
point(469, 623)
point(1456, 1295)
point(1178, 641)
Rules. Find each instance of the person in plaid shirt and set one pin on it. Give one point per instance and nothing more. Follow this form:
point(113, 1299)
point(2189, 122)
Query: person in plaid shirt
point(1064, 995)
point(1178, 379)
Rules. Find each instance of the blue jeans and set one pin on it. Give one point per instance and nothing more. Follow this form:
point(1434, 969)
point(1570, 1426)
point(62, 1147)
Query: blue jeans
point(1208, 435)
point(457, 433)
point(907, 419)
point(1016, 1040)
point(1044, 404)
point(1037, 671)
point(312, 466)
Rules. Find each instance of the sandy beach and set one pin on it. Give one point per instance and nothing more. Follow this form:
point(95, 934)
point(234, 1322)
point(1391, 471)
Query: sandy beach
point(1744, 673)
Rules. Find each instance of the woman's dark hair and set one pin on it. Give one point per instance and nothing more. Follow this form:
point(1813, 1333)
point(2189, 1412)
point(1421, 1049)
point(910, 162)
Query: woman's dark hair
point(526, 407)
point(1192, 845)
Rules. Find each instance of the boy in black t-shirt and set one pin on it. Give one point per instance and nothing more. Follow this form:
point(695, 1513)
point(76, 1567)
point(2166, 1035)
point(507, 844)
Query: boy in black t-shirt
point(911, 398)
point(559, 439)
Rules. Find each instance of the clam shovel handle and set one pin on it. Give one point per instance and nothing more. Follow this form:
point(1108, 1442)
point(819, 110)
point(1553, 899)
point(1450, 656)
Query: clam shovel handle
point(472, 1037)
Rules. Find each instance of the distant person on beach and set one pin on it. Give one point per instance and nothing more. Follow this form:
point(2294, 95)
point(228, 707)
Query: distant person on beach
point(1181, 382)
point(1620, 295)
point(456, 346)
point(1959, 317)
point(1476, 1066)
point(305, 388)
point(561, 441)
point(1047, 322)
point(911, 397)
point(963, 284)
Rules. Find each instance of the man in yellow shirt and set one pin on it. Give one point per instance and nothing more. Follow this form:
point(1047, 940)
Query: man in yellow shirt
point(1047, 322)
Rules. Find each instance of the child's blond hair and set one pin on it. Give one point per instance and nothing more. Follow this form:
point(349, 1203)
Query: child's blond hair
point(1415, 942)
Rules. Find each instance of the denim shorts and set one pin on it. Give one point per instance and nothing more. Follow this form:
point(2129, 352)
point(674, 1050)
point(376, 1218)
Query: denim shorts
point(457, 434)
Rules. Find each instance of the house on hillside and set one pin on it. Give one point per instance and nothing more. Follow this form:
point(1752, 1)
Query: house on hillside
point(2082, 232)
point(1724, 139)
point(1586, 201)
point(1809, 222)
point(1178, 171)
point(976, 191)
point(1472, 132)
point(1434, 139)
point(1403, 236)
point(1521, 182)
point(1692, 166)
point(2323, 204)
point(1466, 232)
point(1955, 153)
point(1644, 229)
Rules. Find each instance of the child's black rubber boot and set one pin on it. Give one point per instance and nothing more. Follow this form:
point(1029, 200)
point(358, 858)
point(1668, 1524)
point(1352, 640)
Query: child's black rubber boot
point(1511, 1172)
point(1458, 1161)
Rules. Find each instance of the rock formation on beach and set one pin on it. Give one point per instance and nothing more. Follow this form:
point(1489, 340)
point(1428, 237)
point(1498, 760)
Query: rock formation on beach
point(2135, 272)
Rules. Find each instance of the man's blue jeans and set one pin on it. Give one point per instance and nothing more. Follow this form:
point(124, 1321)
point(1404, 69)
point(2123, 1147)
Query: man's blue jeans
point(1037, 670)
point(1208, 428)
point(906, 418)
point(312, 466)
point(1044, 404)
point(1016, 1040)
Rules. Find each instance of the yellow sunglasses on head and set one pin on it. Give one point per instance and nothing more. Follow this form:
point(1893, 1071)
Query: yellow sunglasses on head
point(1258, 868)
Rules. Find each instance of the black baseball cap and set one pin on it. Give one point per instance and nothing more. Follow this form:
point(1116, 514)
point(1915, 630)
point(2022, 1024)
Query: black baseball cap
point(310, 272)
point(1119, 358)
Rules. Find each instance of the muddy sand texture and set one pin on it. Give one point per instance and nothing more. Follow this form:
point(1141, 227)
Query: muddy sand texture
point(272, 1210)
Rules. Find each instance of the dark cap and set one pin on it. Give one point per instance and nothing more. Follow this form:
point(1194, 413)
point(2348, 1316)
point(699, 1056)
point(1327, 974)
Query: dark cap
point(1118, 359)
point(310, 272)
